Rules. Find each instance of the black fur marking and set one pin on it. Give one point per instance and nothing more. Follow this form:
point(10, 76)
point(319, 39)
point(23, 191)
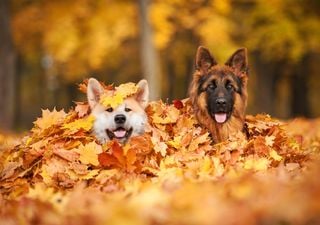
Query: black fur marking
point(214, 98)
point(239, 84)
point(201, 81)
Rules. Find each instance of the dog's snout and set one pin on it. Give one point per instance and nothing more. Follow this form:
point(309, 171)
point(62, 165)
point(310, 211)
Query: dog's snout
point(120, 119)
point(221, 102)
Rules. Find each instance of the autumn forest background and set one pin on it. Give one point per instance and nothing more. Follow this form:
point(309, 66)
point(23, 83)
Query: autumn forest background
point(53, 170)
point(48, 47)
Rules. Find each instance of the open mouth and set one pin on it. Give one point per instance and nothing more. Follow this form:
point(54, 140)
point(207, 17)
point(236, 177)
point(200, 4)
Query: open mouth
point(120, 133)
point(220, 117)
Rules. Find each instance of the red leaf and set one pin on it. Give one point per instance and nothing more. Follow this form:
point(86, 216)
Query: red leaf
point(178, 104)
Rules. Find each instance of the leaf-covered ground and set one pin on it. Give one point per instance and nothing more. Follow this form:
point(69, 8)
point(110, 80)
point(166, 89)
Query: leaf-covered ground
point(60, 174)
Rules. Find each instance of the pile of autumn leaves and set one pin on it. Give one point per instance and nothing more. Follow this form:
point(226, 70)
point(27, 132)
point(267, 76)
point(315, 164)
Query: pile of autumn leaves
point(173, 174)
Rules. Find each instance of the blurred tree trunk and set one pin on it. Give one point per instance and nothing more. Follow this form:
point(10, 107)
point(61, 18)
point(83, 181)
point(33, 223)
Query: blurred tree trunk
point(265, 90)
point(189, 75)
point(179, 58)
point(7, 69)
point(171, 77)
point(150, 63)
point(18, 91)
point(299, 89)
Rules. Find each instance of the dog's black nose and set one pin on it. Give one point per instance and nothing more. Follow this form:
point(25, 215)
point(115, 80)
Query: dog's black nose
point(221, 102)
point(120, 119)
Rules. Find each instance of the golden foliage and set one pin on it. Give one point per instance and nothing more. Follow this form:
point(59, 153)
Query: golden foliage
point(116, 97)
point(49, 118)
point(79, 37)
point(173, 174)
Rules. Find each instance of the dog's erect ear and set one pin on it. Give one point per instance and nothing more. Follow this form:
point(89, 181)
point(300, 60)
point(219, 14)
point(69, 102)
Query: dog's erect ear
point(94, 91)
point(239, 60)
point(142, 95)
point(204, 60)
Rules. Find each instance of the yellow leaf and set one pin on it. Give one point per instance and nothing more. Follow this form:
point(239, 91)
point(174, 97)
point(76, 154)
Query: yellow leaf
point(275, 155)
point(115, 98)
point(50, 118)
point(84, 123)
point(111, 101)
point(89, 153)
point(259, 164)
point(90, 175)
point(167, 116)
point(127, 89)
point(207, 164)
point(176, 142)
point(45, 175)
point(28, 141)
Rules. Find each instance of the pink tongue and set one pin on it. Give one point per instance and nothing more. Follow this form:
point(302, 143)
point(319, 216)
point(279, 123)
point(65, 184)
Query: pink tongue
point(120, 133)
point(220, 117)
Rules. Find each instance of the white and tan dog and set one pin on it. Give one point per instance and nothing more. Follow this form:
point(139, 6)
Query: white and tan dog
point(122, 122)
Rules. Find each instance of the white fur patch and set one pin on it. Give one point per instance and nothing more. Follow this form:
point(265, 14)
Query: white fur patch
point(135, 119)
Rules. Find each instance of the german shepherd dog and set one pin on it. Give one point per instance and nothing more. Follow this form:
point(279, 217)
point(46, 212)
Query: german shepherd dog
point(218, 93)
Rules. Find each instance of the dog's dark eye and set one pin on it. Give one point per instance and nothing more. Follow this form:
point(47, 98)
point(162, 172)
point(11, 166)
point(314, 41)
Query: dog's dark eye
point(127, 109)
point(211, 86)
point(229, 86)
point(109, 109)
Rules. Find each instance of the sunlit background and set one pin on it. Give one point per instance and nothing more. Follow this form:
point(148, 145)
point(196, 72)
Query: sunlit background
point(48, 47)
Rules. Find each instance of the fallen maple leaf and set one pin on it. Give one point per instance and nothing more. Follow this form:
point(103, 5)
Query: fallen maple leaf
point(274, 155)
point(84, 124)
point(126, 90)
point(82, 109)
point(178, 104)
point(89, 153)
point(66, 154)
point(49, 119)
point(107, 160)
point(111, 101)
point(164, 114)
point(116, 97)
point(171, 159)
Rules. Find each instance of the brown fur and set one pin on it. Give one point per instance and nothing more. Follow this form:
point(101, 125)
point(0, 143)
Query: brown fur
point(205, 67)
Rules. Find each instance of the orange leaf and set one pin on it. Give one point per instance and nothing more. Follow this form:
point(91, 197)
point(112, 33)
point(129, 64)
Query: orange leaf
point(66, 154)
point(131, 158)
point(260, 145)
point(117, 152)
point(82, 109)
point(141, 144)
point(107, 160)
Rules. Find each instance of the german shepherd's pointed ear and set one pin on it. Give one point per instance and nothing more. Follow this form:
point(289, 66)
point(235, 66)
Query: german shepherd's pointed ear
point(94, 91)
point(239, 60)
point(142, 96)
point(204, 60)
